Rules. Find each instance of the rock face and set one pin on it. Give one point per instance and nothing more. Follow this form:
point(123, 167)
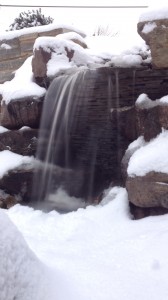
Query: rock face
point(21, 112)
point(22, 142)
point(39, 66)
point(18, 184)
point(150, 190)
point(155, 33)
point(151, 121)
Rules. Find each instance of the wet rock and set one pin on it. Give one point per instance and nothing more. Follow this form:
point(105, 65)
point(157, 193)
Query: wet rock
point(21, 112)
point(7, 201)
point(155, 34)
point(22, 142)
point(18, 183)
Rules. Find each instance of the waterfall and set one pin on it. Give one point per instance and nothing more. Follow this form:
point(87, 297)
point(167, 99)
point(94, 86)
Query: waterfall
point(78, 142)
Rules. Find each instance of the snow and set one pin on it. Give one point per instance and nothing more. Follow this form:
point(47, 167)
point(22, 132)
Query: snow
point(21, 85)
point(21, 275)
point(139, 142)
point(144, 102)
point(150, 157)
point(149, 27)
point(10, 160)
point(96, 253)
point(8, 35)
point(158, 13)
point(71, 36)
point(5, 46)
point(3, 129)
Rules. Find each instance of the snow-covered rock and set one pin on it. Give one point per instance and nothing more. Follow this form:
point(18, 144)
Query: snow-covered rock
point(153, 28)
point(147, 181)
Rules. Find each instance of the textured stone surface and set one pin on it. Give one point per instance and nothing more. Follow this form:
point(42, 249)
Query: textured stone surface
point(39, 66)
point(157, 39)
point(7, 201)
point(22, 142)
point(151, 121)
point(150, 190)
point(21, 112)
point(18, 184)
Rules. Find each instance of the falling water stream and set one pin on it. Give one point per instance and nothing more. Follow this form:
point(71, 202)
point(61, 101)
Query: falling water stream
point(78, 141)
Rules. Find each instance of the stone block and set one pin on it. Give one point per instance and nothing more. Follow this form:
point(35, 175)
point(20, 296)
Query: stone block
point(9, 49)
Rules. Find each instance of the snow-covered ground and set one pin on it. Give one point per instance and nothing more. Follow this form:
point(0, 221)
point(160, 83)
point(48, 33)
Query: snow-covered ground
point(97, 253)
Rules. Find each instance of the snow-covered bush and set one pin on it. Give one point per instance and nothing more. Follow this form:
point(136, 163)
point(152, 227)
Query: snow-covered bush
point(30, 19)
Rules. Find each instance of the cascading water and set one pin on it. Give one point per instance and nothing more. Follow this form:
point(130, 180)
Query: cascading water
point(78, 141)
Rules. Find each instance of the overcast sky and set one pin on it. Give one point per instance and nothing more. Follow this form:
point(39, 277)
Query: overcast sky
point(119, 19)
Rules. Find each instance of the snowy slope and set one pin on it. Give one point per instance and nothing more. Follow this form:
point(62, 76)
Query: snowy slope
point(99, 253)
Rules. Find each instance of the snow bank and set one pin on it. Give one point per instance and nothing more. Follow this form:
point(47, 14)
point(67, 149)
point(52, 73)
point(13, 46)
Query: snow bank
point(158, 13)
point(99, 252)
point(150, 157)
point(21, 85)
point(10, 161)
point(21, 275)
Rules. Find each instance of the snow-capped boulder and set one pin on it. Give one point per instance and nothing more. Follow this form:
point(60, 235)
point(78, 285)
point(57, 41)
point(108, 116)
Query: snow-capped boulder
point(53, 56)
point(147, 181)
point(153, 28)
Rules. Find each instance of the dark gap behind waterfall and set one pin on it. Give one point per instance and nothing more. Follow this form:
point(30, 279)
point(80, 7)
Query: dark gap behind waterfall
point(87, 123)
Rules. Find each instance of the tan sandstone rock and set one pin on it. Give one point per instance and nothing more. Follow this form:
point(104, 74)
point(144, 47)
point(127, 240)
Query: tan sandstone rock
point(155, 34)
point(150, 190)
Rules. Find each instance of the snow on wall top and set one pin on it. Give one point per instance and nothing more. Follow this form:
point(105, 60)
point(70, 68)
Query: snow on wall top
point(8, 35)
point(154, 14)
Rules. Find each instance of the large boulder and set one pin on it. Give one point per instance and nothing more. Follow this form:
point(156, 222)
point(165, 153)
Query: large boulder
point(53, 56)
point(155, 34)
point(147, 172)
point(21, 112)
